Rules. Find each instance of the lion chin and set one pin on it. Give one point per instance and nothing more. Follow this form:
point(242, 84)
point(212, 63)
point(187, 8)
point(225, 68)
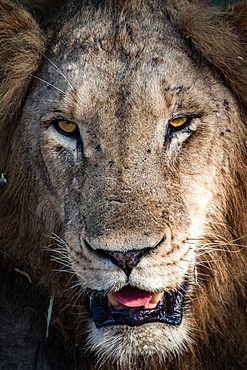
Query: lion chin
point(123, 182)
point(125, 345)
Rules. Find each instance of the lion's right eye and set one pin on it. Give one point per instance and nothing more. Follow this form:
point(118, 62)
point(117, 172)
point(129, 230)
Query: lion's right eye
point(66, 128)
point(179, 123)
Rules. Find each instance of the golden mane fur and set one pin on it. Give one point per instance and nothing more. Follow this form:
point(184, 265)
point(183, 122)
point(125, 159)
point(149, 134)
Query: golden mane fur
point(32, 229)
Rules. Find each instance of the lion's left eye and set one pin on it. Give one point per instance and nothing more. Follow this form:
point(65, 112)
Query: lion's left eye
point(66, 128)
point(179, 123)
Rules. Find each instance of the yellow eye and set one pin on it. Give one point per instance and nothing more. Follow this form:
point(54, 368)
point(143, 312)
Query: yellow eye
point(66, 127)
point(178, 122)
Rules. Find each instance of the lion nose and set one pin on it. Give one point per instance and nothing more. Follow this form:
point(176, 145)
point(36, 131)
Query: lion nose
point(126, 261)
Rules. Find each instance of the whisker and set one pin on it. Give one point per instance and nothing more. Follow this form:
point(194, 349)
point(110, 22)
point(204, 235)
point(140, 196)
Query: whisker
point(222, 238)
point(61, 73)
point(63, 270)
point(48, 83)
point(202, 263)
point(188, 275)
point(217, 250)
point(61, 262)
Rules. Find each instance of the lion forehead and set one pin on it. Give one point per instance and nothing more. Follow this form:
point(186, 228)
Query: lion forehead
point(95, 50)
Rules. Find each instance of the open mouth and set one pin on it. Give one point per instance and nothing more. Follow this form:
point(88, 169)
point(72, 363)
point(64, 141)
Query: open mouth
point(134, 307)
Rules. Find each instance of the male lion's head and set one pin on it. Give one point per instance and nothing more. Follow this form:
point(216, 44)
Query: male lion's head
point(130, 152)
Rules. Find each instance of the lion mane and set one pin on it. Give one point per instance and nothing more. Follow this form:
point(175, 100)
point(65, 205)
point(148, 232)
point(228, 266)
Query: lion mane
point(123, 185)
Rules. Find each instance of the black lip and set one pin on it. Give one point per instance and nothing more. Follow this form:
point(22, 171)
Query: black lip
point(168, 311)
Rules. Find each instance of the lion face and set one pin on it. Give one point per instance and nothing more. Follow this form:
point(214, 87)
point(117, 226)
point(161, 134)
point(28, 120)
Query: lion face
point(124, 136)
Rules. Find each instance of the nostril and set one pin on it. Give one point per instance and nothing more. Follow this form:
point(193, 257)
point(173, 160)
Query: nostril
point(128, 259)
point(125, 260)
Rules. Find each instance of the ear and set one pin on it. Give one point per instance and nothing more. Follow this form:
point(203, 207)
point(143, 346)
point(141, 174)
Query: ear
point(21, 49)
point(220, 37)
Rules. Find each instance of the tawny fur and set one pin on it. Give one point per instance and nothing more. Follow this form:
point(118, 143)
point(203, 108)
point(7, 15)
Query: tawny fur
point(31, 225)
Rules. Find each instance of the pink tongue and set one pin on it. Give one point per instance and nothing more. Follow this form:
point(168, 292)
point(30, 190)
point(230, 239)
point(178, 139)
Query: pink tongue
point(133, 297)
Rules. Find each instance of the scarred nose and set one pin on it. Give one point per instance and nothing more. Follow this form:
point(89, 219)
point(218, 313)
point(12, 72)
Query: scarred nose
point(126, 261)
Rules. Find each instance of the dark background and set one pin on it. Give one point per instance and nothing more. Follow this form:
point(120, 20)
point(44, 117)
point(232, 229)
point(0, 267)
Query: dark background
point(223, 3)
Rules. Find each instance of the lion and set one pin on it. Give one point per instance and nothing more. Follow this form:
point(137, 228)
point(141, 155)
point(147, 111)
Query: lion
point(123, 182)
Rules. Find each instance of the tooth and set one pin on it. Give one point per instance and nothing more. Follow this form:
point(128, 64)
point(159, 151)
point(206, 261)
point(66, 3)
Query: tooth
point(113, 300)
point(156, 297)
